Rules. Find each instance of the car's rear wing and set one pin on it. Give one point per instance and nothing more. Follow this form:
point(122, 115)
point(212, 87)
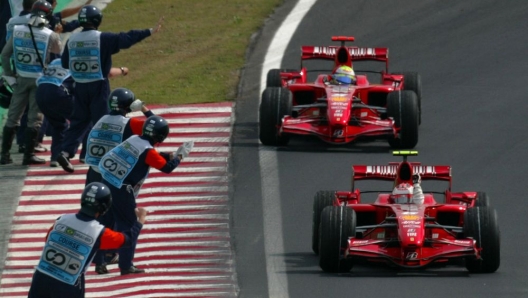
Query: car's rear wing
point(390, 172)
point(356, 53)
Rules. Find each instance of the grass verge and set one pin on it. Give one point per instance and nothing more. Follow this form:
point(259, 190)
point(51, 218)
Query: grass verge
point(196, 57)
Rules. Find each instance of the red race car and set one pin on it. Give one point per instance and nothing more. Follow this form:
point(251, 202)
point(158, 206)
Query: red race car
point(397, 230)
point(341, 113)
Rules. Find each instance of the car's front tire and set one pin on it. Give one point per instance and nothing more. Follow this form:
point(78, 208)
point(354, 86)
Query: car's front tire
point(413, 81)
point(276, 103)
point(338, 224)
point(322, 199)
point(402, 106)
point(482, 199)
point(481, 224)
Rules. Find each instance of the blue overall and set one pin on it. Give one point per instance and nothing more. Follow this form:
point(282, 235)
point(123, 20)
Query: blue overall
point(124, 197)
point(48, 286)
point(56, 103)
point(91, 98)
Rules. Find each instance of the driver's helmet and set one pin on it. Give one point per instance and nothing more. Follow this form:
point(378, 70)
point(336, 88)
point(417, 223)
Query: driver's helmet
point(344, 75)
point(402, 194)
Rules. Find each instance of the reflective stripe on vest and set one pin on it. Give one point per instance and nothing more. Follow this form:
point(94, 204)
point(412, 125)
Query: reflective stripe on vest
point(106, 134)
point(54, 74)
point(117, 164)
point(26, 59)
point(85, 56)
point(68, 247)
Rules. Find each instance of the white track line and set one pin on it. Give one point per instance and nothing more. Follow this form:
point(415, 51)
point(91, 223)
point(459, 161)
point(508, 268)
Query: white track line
point(273, 238)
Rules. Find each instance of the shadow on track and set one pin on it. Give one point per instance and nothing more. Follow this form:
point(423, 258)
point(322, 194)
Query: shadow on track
point(306, 263)
point(247, 135)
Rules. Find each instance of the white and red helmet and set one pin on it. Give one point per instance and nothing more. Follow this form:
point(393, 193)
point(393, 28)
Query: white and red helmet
point(402, 193)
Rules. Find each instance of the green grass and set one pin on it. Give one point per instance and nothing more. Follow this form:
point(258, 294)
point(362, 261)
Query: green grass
point(198, 54)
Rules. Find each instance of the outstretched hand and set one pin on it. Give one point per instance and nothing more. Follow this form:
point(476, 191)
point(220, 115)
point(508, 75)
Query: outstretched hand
point(417, 179)
point(184, 150)
point(136, 105)
point(157, 28)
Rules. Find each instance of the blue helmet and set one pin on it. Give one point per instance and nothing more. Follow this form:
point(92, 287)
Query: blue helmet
point(156, 129)
point(90, 16)
point(96, 199)
point(120, 100)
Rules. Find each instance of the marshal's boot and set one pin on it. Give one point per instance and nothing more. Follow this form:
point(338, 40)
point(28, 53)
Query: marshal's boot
point(30, 140)
point(7, 141)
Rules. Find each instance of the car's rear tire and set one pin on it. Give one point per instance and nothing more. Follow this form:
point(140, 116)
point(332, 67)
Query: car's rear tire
point(337, 225)
point(273, 79)
point(322, 199)
point(413, 81)
point(276, 103)
point(482, 200)
point(402, 106)
point(481, 224)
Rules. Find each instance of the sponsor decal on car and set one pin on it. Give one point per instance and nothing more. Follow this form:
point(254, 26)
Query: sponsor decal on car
point(411, 255)
point(339, 98)
point(338, 113)
point(359, 242)
point(338, 104)
point(410, 217)
point(338, 132)
point(464, 242)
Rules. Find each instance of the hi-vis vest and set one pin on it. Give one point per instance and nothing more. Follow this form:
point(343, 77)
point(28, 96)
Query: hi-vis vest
point(26, 60)
point(117, 164)
point(106, 134)
point(54, 74)
point(19, 20)
point(85, 56)
point(68, 247)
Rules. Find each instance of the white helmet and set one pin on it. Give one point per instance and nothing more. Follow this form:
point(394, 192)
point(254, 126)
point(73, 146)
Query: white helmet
point(402, 193)
point(37, 21)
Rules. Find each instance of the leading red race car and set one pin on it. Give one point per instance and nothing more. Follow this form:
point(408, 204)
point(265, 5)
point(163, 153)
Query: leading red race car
point(340, 114)
point(405, 234)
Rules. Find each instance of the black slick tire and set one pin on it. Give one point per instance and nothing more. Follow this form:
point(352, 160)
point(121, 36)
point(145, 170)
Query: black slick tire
point(338, 224)
point(322, 199)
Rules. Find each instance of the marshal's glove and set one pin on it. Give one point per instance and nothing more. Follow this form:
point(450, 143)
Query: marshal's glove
point(416, 178)
point(136, 105)
point(184, 149)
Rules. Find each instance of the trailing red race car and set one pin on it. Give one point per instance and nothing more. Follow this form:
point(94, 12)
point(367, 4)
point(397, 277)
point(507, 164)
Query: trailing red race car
point(340, 114)
point(404, 233)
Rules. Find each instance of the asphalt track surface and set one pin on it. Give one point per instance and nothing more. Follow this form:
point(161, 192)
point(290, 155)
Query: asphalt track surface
point(472, 59)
